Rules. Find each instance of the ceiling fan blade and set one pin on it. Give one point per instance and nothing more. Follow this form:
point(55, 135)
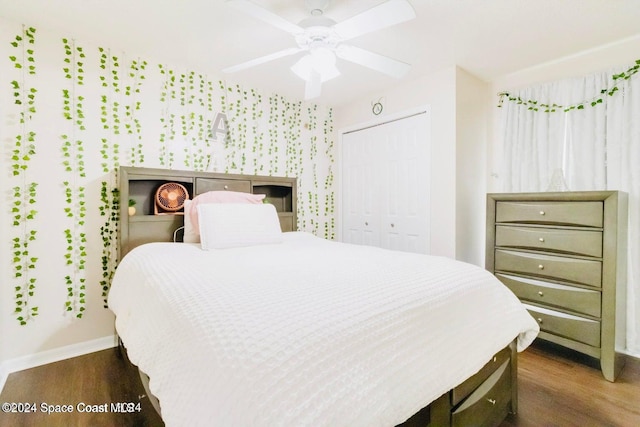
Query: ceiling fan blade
point(265, 15)
point(380, 63)
point(262, 60)
point(313, 85)
point(384, 15)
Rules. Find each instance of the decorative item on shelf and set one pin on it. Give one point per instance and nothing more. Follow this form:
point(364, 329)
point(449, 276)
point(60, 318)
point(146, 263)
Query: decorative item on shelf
point(132, 207)
point(557, 182)
point(170, 198)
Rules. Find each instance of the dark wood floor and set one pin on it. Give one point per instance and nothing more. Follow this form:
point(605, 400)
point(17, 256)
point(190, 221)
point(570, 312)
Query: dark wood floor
point(556, 388)
point(93, 379)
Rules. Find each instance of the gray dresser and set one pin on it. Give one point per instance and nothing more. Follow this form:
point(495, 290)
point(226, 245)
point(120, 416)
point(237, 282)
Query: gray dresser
point(564, 256)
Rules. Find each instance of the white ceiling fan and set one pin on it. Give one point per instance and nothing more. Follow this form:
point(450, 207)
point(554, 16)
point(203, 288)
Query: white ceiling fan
point(323, 39)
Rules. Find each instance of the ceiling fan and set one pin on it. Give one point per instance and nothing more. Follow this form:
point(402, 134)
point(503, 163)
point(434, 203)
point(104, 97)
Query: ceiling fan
point(323, 39)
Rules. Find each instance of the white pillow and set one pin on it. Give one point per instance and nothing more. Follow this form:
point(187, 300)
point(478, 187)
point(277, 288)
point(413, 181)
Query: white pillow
point(229, 225)
point(191, 225)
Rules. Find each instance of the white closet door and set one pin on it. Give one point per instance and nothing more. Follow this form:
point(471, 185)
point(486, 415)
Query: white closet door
point(360, 218)
point(404, 172)
point(385, 189)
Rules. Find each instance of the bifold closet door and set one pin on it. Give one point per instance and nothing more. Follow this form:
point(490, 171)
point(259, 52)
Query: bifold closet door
point(360, 191)
point(385, 189)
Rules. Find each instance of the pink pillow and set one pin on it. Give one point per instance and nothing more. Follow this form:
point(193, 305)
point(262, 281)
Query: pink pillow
point(191, 209)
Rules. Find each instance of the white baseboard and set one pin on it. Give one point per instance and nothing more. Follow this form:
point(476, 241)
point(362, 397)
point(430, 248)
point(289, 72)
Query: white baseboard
point(3, 376)
point(54, 355)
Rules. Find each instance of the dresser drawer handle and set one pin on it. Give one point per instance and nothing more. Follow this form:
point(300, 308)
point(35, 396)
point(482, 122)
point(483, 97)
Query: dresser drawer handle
point(541, 293)
point(541, 239)
point(541, 267)
point(492, 401)
point(541, 212)
point(539, 320)
point(226, 187)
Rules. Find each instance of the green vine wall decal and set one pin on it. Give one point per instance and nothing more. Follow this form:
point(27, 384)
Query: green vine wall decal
point(292, 124)
point(132, 109)
point(330, 202)
point(24, 193)
point(167, 119)
point(274, 134)
point(536, 105)
point(74, 165)
point(109, 76)
point(185, 122)
point(257, 147)
point(202, 117)
point(100, 118)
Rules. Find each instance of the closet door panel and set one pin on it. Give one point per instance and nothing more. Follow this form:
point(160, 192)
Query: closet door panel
point(361, 218)
point(404, 171)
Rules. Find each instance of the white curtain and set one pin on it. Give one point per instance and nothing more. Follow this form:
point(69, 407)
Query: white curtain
point(594, 148)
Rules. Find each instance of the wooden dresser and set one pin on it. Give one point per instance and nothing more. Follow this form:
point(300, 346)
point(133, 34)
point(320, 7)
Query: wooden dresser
point(564, 256)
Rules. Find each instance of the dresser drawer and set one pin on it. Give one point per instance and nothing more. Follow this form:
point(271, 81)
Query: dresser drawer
point(589, 214)
point(581, 271)
point(205, 184)
point(465, 389)
point(488, 404)
point(581, 242)
point(571, 298)
point(573, 327)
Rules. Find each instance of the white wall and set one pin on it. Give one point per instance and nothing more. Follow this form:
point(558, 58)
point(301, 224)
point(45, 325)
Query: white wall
point(270, 135)
point(472, 116)
point(458, 147)
point(437, 90)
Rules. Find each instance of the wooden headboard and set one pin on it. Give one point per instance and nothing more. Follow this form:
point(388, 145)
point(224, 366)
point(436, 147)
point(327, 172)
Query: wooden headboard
point(140, 185)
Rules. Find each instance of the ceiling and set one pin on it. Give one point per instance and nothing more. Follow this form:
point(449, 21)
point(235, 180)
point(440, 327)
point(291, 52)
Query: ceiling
point(488, 38)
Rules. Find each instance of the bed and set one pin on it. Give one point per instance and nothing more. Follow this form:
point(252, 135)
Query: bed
point(303, 331)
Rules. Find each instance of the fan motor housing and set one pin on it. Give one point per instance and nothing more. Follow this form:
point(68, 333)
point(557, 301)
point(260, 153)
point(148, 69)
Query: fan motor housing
point(170, 198)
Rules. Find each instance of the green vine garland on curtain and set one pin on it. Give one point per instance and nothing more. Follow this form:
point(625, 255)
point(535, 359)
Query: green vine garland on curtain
point(24, 194)
point(534, 105)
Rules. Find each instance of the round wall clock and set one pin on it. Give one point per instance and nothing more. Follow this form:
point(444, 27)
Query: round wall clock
point(377, 108)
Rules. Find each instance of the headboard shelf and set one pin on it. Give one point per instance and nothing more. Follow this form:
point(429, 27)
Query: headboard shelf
point(140, 185)
point(278, 195)
point(142, 192)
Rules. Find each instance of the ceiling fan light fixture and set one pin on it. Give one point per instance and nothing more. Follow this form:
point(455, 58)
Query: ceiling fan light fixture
point(323, 40)
point(323, 62)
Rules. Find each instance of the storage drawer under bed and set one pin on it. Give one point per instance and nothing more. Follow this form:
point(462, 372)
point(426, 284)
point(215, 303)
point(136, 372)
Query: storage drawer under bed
point(489, 403)
point(466, 388)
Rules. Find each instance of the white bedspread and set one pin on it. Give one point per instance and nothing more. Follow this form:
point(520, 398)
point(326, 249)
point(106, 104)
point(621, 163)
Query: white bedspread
point(308, 332)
